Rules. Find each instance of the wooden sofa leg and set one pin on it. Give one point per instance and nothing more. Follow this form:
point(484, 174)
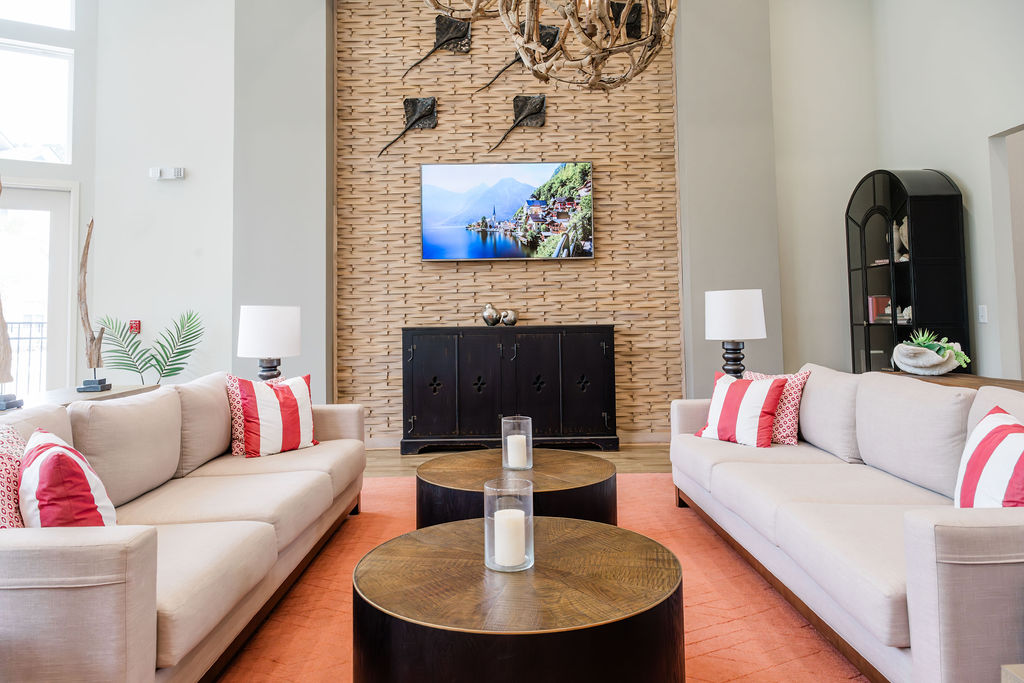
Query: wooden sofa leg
point(355, 510)
point(680, 501)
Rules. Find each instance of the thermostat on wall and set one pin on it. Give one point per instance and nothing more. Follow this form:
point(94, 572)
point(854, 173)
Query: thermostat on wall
point(167, 173)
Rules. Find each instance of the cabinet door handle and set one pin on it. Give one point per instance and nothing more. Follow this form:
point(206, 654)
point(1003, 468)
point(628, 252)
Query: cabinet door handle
point(412, 352)
point(605, 416)
point(604, 349)
point(412, 424)
point(501, 350)
point(515, 351)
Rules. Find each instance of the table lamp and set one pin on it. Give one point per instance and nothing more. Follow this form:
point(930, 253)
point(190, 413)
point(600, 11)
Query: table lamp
point(730, 316)
point(269, 333)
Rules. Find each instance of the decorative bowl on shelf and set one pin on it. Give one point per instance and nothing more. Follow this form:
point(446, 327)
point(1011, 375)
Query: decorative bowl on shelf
point(918, 360)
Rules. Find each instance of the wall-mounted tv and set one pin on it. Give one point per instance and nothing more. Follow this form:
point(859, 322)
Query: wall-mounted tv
point(506, 211)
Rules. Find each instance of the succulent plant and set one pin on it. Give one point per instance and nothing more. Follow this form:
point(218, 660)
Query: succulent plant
point(929, 340)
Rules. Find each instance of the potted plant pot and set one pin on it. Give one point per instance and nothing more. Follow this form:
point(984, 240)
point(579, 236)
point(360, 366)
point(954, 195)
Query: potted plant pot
point(918, 360)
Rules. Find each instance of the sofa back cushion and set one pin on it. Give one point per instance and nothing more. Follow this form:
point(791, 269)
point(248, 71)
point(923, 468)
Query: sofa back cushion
point(828, 411)
point(205, 421)
point(53, 419)
point(132, 443)
point(988, 398)
point(913, 429)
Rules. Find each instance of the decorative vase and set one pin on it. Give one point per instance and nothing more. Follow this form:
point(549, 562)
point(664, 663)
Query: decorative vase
point(509, 317)
point(918, 360)
point(490, 315)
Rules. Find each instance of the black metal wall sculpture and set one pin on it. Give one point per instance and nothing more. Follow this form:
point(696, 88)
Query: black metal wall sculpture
point(449, 34)
point(548, 38)
point(420, 112)
point(527, 110)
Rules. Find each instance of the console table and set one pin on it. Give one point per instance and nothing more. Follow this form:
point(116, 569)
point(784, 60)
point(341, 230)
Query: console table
point(458, 382)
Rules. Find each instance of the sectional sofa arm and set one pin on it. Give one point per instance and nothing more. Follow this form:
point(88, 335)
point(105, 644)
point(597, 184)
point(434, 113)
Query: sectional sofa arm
point(689, 414)
point(78, 604)
point(965, 582)
point(338, 421)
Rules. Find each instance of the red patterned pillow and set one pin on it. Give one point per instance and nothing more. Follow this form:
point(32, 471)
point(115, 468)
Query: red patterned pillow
point(59, 488)
point(742, 410)
point(12, 447)
point(787, 416)
point(992, 467)
point(276, 416)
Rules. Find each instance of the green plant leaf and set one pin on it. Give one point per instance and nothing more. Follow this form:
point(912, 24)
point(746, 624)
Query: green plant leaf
point(123, 350)
point(175, 344)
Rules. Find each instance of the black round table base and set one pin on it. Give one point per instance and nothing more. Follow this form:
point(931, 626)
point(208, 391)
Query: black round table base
point(643, 647)
point(438, 504)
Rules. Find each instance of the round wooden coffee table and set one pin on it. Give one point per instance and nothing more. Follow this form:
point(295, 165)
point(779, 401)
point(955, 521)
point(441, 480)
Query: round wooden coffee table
point(600, 604)
point(565, 484)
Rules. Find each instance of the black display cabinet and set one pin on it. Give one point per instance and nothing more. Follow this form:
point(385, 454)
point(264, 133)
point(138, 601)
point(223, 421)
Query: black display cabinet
point(905, 256)
point(457, 383)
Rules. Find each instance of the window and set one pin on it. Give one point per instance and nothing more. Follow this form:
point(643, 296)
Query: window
point(52, 13)
point(35, 112)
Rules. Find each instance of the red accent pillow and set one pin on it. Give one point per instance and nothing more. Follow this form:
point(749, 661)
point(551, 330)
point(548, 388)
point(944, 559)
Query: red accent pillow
point(59, 488)
point(743, 410)
point(787, 416)
point(276, 416)
point(12, 447)
point(992, 467)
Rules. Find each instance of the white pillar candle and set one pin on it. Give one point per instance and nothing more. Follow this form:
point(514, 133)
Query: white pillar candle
point(509, 537)
point(516, 444)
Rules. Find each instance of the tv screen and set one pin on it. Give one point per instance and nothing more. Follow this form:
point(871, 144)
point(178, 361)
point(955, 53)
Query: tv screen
point(506, 211)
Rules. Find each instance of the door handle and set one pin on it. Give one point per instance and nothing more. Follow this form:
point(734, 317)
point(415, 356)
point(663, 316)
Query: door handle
point(605, 416)
point(412, 424)
point(515, 351)
point(501, 350)
point(412, 351)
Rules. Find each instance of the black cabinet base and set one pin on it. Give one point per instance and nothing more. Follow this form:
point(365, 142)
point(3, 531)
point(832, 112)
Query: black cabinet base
point(416, 446)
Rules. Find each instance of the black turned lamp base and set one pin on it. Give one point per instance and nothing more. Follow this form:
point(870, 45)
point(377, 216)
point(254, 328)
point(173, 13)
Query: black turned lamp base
point(732, 353)
point(269, 368)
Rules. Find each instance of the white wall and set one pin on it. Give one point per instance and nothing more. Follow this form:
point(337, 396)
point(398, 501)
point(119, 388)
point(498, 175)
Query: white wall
point(729, 230)
point(949, 75)
point(280, 172)
point(1015, 201)
point(823, 91)
point(164, 97)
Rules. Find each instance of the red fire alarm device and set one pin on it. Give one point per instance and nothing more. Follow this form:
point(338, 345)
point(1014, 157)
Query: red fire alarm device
point(135, 326)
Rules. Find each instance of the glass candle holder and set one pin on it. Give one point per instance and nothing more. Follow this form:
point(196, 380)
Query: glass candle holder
point(517, 442)
point(508, 524)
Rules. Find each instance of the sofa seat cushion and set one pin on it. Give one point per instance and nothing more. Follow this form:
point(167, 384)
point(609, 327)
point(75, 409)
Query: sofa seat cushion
point(289, 501)
point(756, 492)
point(856, 554)
point(342, 459)
point(697, 457)
point(202, 572)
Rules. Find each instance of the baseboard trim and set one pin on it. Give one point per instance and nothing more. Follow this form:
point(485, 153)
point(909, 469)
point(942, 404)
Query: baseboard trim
point(214, 672)
point(837, 641)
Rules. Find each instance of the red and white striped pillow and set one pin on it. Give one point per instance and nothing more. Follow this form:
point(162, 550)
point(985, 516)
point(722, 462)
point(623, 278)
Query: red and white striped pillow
point(743, 410)
point(787, 416)
point(59, 488)
point(12, 447)
point(272, 417)
point(992, 467)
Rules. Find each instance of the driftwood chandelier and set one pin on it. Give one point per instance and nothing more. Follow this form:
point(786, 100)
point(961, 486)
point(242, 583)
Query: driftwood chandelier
point(591, 44)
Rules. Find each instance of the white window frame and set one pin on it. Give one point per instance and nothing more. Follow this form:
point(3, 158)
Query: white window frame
point(54, 51)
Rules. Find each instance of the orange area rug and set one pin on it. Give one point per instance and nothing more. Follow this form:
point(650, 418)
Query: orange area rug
point(737, 627)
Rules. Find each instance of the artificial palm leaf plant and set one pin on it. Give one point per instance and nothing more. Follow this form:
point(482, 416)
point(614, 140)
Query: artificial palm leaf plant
point(929, 340)
point(168, 356)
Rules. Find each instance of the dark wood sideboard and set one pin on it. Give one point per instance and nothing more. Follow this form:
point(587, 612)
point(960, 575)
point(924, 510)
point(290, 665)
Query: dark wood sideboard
point(458, 382)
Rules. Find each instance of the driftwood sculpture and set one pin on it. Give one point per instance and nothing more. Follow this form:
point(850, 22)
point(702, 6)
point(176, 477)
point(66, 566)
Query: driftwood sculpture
point(450, 34)
point(527, 110)
point(93, 341)
point(601, 45)
point(420, 112)
point(467, 10)
point(6, 354)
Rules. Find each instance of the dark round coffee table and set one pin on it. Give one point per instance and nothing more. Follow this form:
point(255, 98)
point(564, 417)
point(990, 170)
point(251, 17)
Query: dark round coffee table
point(565, 484)
point(600, 604)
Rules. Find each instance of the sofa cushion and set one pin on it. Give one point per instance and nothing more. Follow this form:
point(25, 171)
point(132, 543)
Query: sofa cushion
point(988, 398)
point(856, 554)
point(828, 411)
point(755, 492)
point(205, 421)
point(58, 488)
point(290, 501)
point(913, 429)
point(697, 457)
point(343, 460)
point(133, 443)
point(53, 419)
point(202, 572)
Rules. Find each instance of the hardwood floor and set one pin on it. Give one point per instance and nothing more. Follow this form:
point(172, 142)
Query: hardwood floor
point(645, 457)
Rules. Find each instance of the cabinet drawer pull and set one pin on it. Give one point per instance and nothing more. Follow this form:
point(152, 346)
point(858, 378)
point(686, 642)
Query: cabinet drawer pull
point(515, 351)
point(412, 424)
point(605, 416)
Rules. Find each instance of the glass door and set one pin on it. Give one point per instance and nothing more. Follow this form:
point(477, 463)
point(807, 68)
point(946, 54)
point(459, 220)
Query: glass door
point(36, 281)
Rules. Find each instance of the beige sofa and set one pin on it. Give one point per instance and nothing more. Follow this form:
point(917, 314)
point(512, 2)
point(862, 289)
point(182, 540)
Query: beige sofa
point(857, 523)
point(203, 542)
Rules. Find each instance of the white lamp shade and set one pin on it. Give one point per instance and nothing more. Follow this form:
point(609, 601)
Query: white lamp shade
point(268, 332)
point(734, 314)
